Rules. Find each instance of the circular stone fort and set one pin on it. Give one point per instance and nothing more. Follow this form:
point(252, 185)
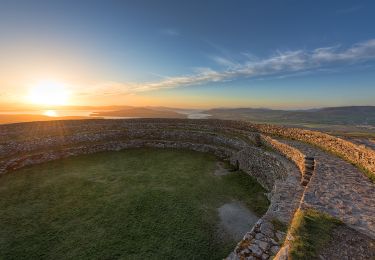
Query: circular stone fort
point(316, 184)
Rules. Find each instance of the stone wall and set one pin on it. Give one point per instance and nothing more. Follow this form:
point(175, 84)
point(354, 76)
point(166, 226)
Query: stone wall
point(291, 153)
point(72, 138)
point(261, 164)
point(360, 155)
point(18, 162)
point(357, 154)
point(240, 143)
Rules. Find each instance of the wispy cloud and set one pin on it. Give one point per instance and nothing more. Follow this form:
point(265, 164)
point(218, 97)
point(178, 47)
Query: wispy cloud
point(282, 63)
point(225, 62)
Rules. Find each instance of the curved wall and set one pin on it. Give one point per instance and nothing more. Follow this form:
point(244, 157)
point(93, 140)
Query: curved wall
point(357, 154)
point(238, 142)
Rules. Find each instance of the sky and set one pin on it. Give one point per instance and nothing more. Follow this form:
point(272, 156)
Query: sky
point(196, 54)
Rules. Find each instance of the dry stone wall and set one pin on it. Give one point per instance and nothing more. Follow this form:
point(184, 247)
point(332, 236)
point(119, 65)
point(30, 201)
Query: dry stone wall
point(278, 166)
point(32, 143)
point(290, 152)
point(357, 154)
point(66, 138)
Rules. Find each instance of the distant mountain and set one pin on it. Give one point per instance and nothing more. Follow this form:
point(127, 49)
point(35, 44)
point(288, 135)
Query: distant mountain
point(351, 115)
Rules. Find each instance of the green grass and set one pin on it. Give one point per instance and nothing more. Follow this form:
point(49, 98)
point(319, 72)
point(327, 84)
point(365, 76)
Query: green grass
point(134, 204)
point(312, 231)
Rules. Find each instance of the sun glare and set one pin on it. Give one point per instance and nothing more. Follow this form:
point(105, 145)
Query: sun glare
point(50, 113)
point(48, 93)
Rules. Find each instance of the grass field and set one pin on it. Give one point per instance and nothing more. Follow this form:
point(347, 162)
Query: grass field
point(134, 204)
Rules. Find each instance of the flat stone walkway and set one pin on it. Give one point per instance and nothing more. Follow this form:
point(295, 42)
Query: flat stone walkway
point(339, 189)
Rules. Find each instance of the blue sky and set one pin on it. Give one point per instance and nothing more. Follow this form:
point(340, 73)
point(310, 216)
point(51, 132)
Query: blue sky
point(194, 53)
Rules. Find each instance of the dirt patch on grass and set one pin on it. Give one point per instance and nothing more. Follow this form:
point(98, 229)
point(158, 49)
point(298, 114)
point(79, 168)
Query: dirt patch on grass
point(235, 220)
point(222, 169)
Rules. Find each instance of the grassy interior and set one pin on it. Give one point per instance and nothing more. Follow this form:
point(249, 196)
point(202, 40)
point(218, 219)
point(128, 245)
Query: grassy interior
point(312, 231)
point(134, 204)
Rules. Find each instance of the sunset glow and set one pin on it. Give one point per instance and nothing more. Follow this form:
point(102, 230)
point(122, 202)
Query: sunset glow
point(48, 93)
point(135, 53)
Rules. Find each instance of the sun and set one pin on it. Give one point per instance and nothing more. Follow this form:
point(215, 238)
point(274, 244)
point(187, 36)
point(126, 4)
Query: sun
point(49, 93)
point(50, 113)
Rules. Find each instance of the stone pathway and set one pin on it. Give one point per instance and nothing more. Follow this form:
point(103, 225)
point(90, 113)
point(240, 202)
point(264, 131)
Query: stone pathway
point(339, 189)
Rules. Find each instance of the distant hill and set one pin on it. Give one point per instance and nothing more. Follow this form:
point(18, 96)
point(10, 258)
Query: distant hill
point(353, 115)
point(350, 118)
point(145, 112)
point(9, 119)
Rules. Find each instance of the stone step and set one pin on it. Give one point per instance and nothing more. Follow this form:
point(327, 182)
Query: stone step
point(309, 162)
point(304, 182)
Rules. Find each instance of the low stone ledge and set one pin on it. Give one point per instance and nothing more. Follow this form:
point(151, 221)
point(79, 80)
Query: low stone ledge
point(263, 241)
point(41, 157)
point(12, 148)
point(290, 152)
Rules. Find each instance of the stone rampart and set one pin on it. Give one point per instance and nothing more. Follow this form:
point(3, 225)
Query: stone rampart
point(360, 155)
point(72, 138)
point(89, 148)
point(276, 165)
point(357, 154)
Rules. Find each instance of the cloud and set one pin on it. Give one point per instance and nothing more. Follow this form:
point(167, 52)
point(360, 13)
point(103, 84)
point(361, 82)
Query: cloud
point(224, 61)
point(281, 63)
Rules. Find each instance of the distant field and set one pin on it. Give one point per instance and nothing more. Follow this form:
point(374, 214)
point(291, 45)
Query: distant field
point(355, 121)
point(134, 204)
